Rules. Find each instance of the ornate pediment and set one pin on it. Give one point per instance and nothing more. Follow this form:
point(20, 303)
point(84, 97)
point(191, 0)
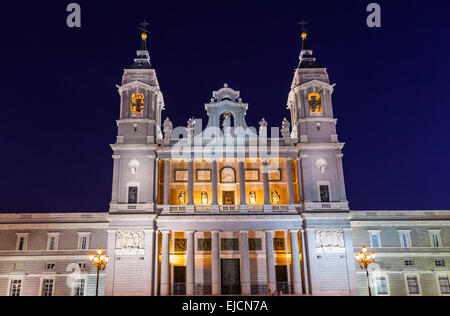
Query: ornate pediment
point(330, 241)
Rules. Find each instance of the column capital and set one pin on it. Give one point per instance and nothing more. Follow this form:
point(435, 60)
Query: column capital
point(215, 231)
point(269, 231)
point(165, 231)
point(190, 231)
point(294, 230)
point(243, 231)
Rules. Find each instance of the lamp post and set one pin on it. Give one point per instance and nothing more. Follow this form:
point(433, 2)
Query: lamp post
point(364, 258)
point(99, 260)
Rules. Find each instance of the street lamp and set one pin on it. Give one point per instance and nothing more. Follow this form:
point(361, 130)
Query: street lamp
point(99, 260)
point(364, 258)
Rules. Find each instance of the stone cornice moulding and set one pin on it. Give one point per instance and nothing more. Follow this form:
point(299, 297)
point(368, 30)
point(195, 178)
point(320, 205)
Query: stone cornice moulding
point(318, 120)
point(137, 84)
point(315, 84)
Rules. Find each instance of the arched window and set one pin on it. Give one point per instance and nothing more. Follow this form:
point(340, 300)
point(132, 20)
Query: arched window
point(315, 104)
point(137, 104)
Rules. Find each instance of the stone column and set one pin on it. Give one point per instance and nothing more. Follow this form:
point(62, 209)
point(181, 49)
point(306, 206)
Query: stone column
point(266, 183)
point(166, 182)
point(214, 183)
point(290, 183)
point(165, 264)
point(110, 251)
point(115, 185)
point(151, 180)
point(299, 180)
point(190, 263)
point(215, 262)
point(156, 264)
point(191, 182)
point(295, 258)
point(242, 182)
point(340, 174)
point(270, 261)
point(305, 263)
point(245, 263)
point(156, 180)
point(149, 253)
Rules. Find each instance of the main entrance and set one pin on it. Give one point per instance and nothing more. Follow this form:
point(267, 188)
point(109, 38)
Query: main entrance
point(231, 279)
point(179, 280)
point(281, 274)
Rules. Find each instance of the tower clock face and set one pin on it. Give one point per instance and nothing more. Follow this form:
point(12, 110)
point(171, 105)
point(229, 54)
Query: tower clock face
point(315, 104)
point(137, 104)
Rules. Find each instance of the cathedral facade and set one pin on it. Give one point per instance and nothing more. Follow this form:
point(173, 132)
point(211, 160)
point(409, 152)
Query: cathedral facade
point(226, 209)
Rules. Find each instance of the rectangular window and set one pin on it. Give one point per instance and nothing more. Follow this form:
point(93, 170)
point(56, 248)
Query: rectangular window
point(132, 195)
point(79, 287)
point(413, 285)
point(83, 241)
point(204, 244)
point(439, 263)
point(382, 288)
point(375, 240)
point(22, 242)
point(180, 244)
point(435, 237)
point(409, 263)
point(49, 266)
point(405, 239)
point(279, 244)
point(324, 193)
point(16, 287)
point(229, 244)
point(47, 287)
point(444, 285)
point(52, 242)
point(254, 244)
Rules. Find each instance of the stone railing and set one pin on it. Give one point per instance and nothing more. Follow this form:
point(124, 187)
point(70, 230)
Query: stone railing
point(227, 209)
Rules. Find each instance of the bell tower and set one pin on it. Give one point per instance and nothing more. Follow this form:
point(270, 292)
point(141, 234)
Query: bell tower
point(139, 129)
point(310, 103)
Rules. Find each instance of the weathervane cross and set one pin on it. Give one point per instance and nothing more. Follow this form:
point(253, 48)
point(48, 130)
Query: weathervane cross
point(303, 23)
point(143, 27)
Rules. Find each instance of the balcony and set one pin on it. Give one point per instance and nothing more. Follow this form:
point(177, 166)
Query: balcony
point(230, 209)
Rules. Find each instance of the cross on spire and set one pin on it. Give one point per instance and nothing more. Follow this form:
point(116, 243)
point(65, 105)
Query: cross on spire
point(143, 26)
point(303, 23)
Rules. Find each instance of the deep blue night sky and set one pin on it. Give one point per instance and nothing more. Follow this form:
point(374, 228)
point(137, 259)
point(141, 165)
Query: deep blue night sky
point(59, 102)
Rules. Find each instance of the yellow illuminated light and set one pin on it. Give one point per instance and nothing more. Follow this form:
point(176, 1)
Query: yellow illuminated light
point(315, 103)
point(137, 104)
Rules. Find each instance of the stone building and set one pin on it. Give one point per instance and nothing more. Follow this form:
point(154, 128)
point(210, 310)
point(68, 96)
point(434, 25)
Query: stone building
point(225, 209)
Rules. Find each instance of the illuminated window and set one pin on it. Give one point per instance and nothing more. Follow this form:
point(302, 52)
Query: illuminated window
point(137, 104)
point(15, 288)
point(315, 104)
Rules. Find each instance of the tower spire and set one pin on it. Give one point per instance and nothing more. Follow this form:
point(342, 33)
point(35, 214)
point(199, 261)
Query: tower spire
point(306, 59)
point(143, 57)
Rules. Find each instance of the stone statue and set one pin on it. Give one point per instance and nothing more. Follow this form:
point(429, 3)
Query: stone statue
point(262, 127)
point(167, 128)
point(204, 198)
point(252, 197)
point(275, 197)
point(285, 127)
point(182, 198)
point(190, 126)
point(226, 121)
